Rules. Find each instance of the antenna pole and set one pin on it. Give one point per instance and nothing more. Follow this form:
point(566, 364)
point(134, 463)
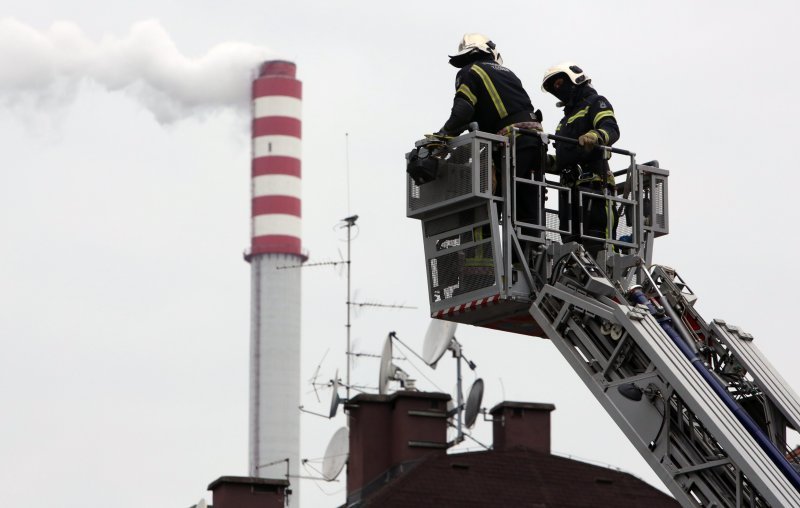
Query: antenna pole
point(459, 397)
point(350, 221)
point(347, 166)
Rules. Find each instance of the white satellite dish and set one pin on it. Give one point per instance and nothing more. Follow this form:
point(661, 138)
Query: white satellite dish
point(437, 339)
point(335, 400)
point(335, 455)
point(386, 371)
point(474, 400)
point(391, 372)
point(452, 429)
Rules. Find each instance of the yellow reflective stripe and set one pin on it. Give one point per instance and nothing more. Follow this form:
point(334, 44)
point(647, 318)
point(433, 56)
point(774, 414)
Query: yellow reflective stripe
point(579, 114)
point(593, 178)
point(599, 116)
point(466, 91)
point(605, 135)
point(477, 235)
point(487, 82)
point(478, 263)
point(610, 180)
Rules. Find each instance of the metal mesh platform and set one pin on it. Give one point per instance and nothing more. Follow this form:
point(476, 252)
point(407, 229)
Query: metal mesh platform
point(464, 177)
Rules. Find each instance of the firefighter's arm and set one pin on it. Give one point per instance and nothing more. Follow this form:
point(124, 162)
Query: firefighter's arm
point(604, 123)
point(463, 104)
point(460, 116)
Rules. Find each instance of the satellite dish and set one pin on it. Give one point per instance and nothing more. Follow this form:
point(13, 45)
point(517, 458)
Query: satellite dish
point(386, 370)
point(452, 430)
point(335, 455)
point(201, 504)
point(335, 400)
point(437, 339)
point(451, 410)
point(474, 400)
point(391, 372)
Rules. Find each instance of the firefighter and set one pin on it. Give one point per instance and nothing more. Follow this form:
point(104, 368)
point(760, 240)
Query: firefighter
point(589, 118)
point(493, 96)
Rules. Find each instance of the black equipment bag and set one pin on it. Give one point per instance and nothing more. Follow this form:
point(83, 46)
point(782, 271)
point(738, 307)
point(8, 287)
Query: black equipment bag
point(423, 161)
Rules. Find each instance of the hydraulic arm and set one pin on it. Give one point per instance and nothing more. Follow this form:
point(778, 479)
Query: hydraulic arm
point(700, 403)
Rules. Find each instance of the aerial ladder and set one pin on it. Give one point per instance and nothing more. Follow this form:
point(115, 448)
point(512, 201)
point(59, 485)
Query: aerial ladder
point(697, 399)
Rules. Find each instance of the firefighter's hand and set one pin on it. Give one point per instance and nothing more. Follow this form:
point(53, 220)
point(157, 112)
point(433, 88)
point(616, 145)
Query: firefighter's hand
point(439, 136)
point(589, 141)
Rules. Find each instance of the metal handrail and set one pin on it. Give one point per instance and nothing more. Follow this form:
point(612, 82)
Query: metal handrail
point(634, 184)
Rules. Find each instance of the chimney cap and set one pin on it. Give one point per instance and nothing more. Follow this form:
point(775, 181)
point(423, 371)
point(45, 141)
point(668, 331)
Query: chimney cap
point(277, 69)
point(391, 397)
point(248, 480)
point(533, 406)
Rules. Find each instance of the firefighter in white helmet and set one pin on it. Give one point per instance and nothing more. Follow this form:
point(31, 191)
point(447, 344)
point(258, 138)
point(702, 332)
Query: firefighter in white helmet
point(491, 95)
point(589, 118)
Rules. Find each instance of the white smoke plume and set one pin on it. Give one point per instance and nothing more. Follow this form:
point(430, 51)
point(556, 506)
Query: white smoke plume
point(145, 63)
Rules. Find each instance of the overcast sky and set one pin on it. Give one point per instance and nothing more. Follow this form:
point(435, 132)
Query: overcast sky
point(125, 207)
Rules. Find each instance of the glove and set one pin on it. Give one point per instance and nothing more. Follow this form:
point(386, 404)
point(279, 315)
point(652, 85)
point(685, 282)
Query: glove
point(589, 141)
point(439, 136)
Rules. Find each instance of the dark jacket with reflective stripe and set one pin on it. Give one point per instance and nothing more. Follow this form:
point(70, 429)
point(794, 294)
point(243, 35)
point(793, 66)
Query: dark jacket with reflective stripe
point(496, 93)
point(587, 111)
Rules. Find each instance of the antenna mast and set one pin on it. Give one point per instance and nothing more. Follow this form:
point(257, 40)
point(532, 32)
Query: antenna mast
point(349, 223)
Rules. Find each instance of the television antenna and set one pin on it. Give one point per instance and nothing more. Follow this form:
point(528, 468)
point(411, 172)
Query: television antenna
point(333, 406)
point(348, 223)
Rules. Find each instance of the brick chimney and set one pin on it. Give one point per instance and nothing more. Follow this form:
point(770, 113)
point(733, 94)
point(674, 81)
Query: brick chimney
point(389, 434)
point(249, 492)
point(525, 424)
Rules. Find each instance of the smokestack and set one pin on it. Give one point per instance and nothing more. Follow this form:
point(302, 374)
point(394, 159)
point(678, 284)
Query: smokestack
point(275, 295)
point(246, 492)
point(522, 424)
point(389, 434)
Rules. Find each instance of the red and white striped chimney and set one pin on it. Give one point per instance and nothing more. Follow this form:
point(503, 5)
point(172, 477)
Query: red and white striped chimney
point(277, 97)
point(275, 297)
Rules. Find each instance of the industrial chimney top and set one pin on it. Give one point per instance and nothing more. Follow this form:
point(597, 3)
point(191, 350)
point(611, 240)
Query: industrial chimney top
point(277, 69)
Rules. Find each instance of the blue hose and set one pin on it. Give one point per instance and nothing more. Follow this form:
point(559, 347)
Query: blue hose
point(755, 431)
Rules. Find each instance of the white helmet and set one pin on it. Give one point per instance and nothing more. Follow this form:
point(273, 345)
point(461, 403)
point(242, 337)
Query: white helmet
point(475, 42)
point(575, 73)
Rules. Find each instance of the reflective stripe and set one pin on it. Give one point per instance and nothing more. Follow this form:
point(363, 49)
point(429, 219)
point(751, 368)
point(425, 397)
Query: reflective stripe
point(594, 178)
point(599, 116)
point(605, 135)
point(480, 259)
point(479, 263)
point(609, 179)
point(579, 114)
point(466, 91)
point(487, 82)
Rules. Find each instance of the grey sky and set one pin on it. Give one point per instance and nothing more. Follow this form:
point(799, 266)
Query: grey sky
point(125, 299)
